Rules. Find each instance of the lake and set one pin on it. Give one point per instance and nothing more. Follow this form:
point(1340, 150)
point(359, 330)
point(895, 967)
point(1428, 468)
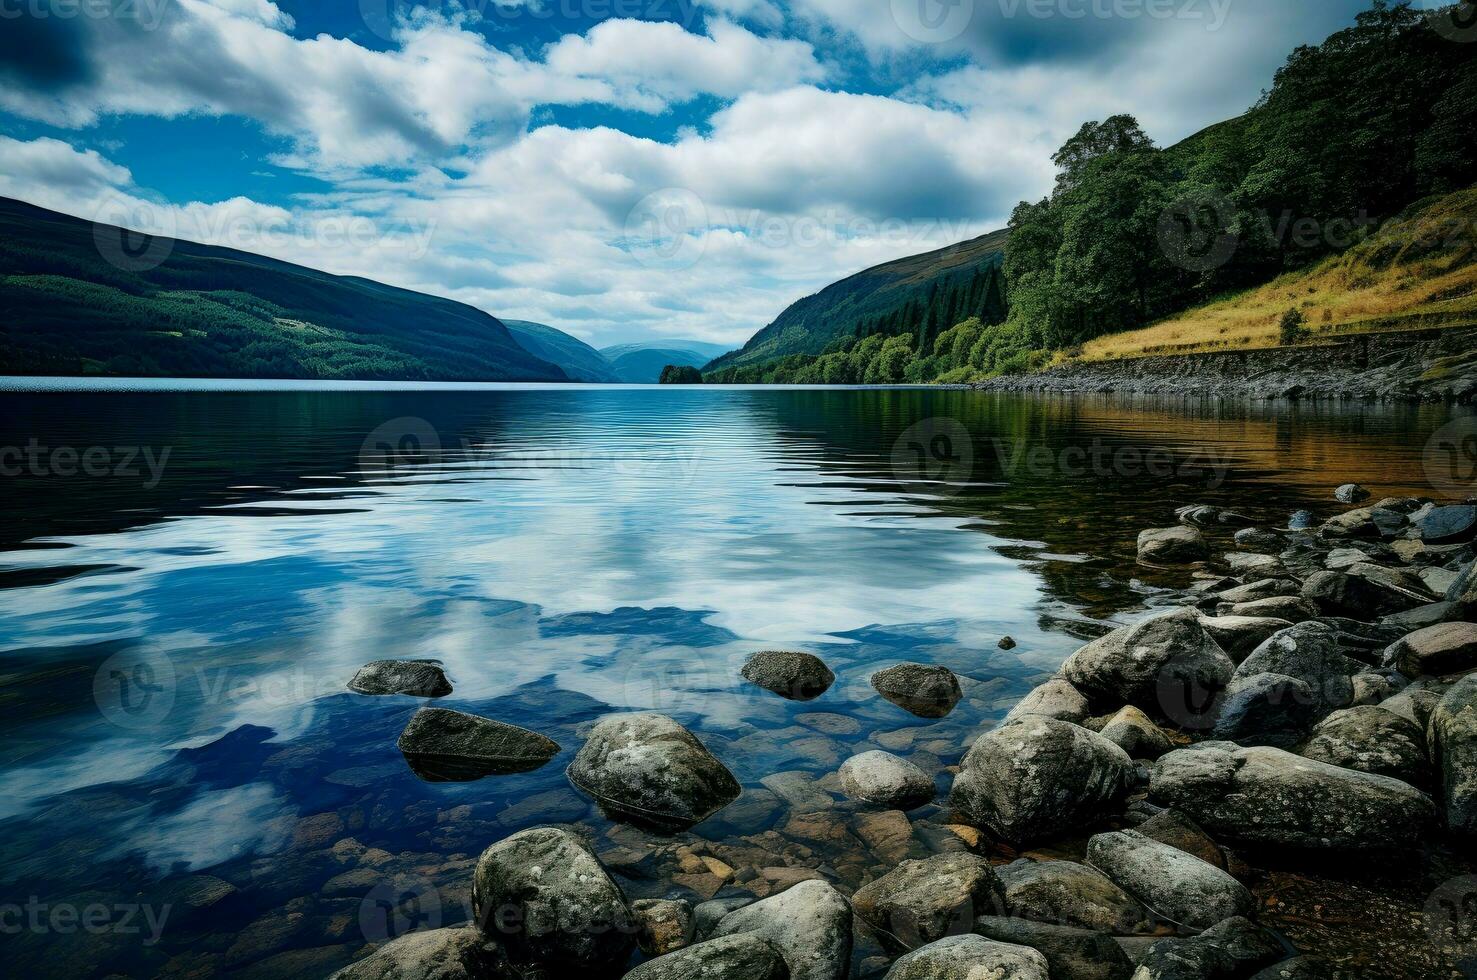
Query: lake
point(189, 578)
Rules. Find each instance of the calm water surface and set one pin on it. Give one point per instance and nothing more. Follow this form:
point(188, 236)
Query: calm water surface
point(181, 607)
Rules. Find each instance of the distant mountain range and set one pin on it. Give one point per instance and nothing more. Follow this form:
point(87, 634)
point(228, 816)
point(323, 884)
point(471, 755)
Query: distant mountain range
point(836, 312)
point(643, 363)
point(168, 308)
point(637, 364)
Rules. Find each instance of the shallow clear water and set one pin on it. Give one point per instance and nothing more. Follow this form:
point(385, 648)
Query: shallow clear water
point(184, 596)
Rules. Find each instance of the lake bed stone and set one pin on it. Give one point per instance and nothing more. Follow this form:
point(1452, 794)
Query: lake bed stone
point(1071, 953)
point(792, 675)
point(970, 958)
point(413, 678)
point(809, 924)
point(926, 690)
point(1070, 894)
point(1174, 884)
point(920, 902)
point(442, 745)
point(885, 780)
point(1172, 545)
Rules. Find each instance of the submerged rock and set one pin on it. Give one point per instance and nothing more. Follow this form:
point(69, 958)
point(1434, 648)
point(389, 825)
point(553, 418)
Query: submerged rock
point(885, 780)
point(1038, 777)
point(1172, 545)
point(416, 678)
point(442, 745)
point(1371, 739)
point(648, 770)
point(926, 690)
point(1263, 795)
point(741, 957)
point(1071, 954)
point(809, 924)
point(1453, 739)
point(1174, 884)
point(461, 953)
point(1447, 648)
point(1168, 665)
point(970, 958)
point(664, 925)
point(919, 902)
point(1070, 894)
point(545, 897)
point(791, 675)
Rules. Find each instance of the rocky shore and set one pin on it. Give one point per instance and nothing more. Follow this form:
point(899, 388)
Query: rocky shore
point(1408, 366)
point(1310, 698)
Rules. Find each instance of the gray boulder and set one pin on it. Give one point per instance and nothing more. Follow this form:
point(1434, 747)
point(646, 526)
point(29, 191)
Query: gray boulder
point(1135, 733)
point(1266, 796)
point(461, 953)
point(1071, 954)
point(1056, 698)
point(1297, 968)
point(970, 958)
point(1448, 648)
point(1175, 885)
point(791, 675)
point(1179, 831)
point(1226, 951)
point(1266, 588)
point(1171, 545)
point(920, 902)
point(740, 957)
point(1454, 524)
point(1291, 608)
point(1452, 737)
point(926, 690)
point(1365, 524)
point(885, 780)
point(1309, 652)
point(1358, 596)
point(442, 745)
point(545, 897)
point(1260, 539)
point(648, 770)
point(1351, 493)
point(1036, 778)
point(415, 678)
point(1371, 739)
point(1070, 894)
point(1267, 709)
point(809, 924)
point(1240, 635)
point(1168, 665)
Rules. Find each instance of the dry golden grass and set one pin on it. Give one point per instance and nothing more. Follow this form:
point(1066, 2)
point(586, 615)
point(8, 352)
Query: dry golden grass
point(1418, 272)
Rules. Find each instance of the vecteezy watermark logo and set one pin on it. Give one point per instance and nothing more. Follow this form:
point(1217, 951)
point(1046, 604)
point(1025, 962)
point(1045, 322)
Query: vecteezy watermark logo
point(394, 908)
point(148, 14)
point(937, 451)
point(95, 919)
point(1450, 458)
point(1451, 922)
point(135, 689)
point(1453, 21)
point(933, 21)
point(143, 463)
point(667, 229)
point(113, 233)
point(1195, 232)
point(407, 441)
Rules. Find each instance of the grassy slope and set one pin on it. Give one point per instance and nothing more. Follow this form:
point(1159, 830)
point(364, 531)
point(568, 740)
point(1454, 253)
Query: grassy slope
point(808, 326)
point(575, 357)
point(1417, 271)
point(216, 312)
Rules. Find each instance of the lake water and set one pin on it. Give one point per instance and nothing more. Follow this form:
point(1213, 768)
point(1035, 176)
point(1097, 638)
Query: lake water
point(188, 579)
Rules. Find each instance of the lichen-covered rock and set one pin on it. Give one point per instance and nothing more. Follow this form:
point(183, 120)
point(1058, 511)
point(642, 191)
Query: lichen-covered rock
point(1174, 884)
point(792, 675)
point(1226, 951)
point(1447, 648)
point(1259, 539)
point(740, 957)
point(547, 900)
point(1039, 777)
point(885, 780)
point(1171, 545)
point(1309, 652)
point(461, 953)
point(1135, 733)
point(1350, 493)
point(1264, 795)
point(1168, 665)
point(442, 745)
point(1452, 737)
point(926, 690)
point(1240, 635)
point(1371, 739)
point(809, 924)
point(648, 770)
point(920, 902)
point(1056, 698)
point(1293, 609)
point(970, 958)
point(1267, 588)
point(1297, 968)
point(1267, 709)
point(1070, 894)
point(665, 925)
point(414, 678)
point(1071, 954)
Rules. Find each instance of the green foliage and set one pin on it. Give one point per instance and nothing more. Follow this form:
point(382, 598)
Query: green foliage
point(1292, 330)
point(681, 374)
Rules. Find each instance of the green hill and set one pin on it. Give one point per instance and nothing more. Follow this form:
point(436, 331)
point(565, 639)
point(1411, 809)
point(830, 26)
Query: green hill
point(854, 305)
point(574, 357)
point(642, 364)
point(205, 311)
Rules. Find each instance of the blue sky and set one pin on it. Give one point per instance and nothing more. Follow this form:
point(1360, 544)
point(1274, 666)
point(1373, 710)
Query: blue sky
point(621, 169)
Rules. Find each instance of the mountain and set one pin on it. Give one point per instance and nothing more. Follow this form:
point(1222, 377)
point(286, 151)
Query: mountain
point(574, 357)
point(168, 308)
point(643, 363)
point(851, 306)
